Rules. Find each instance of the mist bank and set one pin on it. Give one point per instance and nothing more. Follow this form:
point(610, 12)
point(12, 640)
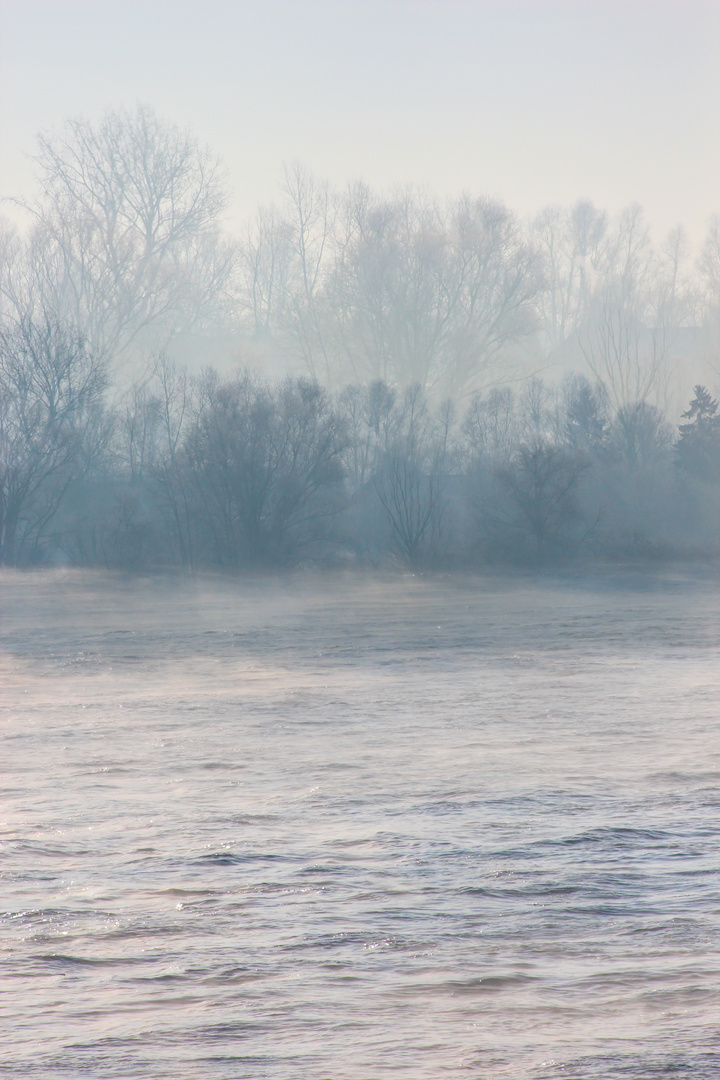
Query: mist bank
point(237, 472)
point(126, 243)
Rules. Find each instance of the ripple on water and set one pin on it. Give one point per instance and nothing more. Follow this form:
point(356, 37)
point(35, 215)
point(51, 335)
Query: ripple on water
point(350, 830)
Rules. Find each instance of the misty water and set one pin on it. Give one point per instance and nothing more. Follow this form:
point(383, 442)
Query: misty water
point(344, 827)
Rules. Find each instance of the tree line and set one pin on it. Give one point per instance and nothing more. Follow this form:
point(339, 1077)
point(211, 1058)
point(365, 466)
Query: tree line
point(125, 241)
point(400, 415)
point(236, 472)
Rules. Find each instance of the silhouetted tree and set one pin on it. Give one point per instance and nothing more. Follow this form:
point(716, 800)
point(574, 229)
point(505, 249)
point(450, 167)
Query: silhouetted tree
point(698, 448)
point(370, 417)
point(265, 463)
point(585, 412)
point(51, 427)
point(540, 508)
point(410, 475)
point(570, 245)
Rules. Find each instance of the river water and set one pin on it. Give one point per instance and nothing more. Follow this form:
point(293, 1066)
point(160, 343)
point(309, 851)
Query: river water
point(341, 828)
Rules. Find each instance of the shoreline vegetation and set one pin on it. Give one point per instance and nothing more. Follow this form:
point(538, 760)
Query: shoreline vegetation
point(238, 473)
point(378, 401)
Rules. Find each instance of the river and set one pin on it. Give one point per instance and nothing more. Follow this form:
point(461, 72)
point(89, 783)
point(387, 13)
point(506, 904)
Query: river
point(340, 827)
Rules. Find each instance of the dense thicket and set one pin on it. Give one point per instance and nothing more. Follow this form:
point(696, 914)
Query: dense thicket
point(378, 397)
point(238, 473)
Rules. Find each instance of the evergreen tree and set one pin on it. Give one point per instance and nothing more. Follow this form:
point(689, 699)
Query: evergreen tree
point(698, 448)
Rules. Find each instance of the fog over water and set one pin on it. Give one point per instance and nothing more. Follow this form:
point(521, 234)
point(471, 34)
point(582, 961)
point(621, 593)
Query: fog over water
point(352, 827)
point(359, 540)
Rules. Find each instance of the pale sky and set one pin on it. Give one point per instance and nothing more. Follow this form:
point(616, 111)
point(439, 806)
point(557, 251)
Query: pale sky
point(529, 100)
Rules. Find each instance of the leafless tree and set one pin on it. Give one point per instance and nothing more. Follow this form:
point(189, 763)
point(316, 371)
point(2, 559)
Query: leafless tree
point(569, 244)
point(266, 268)
point(390, 297)
point(409, 478)
point(266, 465)
point(124, 240)
point(422, 295)
point(709, 272)
point(640, 436)
point(400, 289)
point(499, 277)
point(310, 216)
point(138, 431)
point(370, 419)
point(490, 428)
point(533, 508)
point(626, 334)
point(710, 257)
point(171, 405)
point(51, 427)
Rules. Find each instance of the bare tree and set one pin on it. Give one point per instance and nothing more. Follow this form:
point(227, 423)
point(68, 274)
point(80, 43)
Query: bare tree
point(499, 277)
point(138, 431)
point(310, 216)
point(390, 297)
point(622, 352)
point(51, 389)
point(266, 465)
point(266, 267)
point(369, 415)
point(626, 334)
point(532, 505)
point(640, 436)
point(409, 478)
point(709, 270)
point(125, 240)
point(569, 244)
point(172, 397)
point(416, 293)
point(490, 428)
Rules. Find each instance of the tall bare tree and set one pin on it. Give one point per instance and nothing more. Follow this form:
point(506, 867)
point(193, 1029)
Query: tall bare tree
point(409, 476)
point(709, 271)
point(266, 270)
point(124, 241)
point(422, 294)
point(310, 215)
point(51, 389)
point(569, 243)
point(626, 332)
point(265, 462)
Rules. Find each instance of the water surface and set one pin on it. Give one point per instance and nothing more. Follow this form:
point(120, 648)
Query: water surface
point(345, 828)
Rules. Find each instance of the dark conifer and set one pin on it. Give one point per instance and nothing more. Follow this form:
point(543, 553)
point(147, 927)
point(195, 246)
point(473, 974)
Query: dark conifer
point(698, 447)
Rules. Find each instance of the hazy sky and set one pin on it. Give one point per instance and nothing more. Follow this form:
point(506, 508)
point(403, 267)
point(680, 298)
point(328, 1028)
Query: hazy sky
point(532, 101)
